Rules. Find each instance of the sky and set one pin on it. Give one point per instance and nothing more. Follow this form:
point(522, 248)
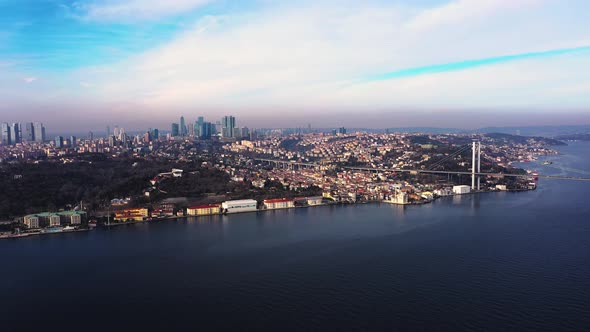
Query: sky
point(270, 63)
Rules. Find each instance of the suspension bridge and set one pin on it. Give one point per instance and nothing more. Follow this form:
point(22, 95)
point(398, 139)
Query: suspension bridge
point(475, 172)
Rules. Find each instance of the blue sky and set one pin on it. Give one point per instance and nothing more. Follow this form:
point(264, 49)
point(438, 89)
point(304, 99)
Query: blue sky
point(144, 62)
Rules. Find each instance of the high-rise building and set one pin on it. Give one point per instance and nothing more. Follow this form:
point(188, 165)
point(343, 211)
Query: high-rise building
point(6, 134)
point(183, 131)
point(155, 134)
point(16, 133)
point(29, 132)
point(342, 130)
point(108, 131)
point(206, 130)
point(59, 142)
point(228, 124)
point(175, 129)
point(73, 141)
point(39, 132)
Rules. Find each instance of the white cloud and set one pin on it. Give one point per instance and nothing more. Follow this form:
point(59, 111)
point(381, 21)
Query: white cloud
point(29, 80)
point(313, 56)
point(133, 10)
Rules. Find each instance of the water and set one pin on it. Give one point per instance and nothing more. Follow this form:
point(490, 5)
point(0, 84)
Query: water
point(498, 261)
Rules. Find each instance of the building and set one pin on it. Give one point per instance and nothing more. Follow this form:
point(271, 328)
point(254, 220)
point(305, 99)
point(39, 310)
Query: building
point(175, 130)
point(6, 134)
point(29, 132)
point(139, 214)
point(204, 210)
point(39, 132)
point(73, 141)
point(16, 133)
point(244, 205)
point(228, 124)
point(400, 197)
point(462, 189)
point(31, 221)
point(59, 142)
point(316, 200)
point(278, 203)
point(206, 130)
point(183, 131)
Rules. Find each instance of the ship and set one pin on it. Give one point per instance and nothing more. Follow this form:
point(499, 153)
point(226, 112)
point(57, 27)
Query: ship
point(547, 162)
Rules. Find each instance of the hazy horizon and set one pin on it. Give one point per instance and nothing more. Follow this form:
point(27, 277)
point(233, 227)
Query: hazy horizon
point(437, 63)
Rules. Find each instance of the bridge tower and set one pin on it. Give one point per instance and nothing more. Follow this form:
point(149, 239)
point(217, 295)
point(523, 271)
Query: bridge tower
point(475, 163)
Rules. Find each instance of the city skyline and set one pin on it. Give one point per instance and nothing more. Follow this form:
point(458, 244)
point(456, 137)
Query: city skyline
point(461, 63)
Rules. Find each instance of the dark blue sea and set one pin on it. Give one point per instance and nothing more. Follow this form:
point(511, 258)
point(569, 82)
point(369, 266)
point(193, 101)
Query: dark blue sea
point(496, 261)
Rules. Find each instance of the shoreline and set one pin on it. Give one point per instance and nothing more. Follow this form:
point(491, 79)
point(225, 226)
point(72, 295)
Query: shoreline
point(173, 218)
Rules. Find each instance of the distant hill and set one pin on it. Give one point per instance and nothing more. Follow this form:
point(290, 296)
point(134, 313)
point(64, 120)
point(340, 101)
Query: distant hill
point(508, 138)
point(574, 137)
point(545, 131)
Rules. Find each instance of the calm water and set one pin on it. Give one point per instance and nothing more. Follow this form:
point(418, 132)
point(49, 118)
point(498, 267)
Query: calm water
point(501, 261)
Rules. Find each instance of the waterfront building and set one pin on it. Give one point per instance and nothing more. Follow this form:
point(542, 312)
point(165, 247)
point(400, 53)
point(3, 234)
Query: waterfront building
point(399, 197)
point(54, 220)
point(316, 200)
point(204, 210)
point(45, 219)
point(462, 189)
point(244, 205)
point(31, 221)
point(140, 214)
point(278, 203)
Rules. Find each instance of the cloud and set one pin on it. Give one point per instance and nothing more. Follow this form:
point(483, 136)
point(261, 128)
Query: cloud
point(309, 56)
point(135, 10)
point(460, 11)
point(29, 80)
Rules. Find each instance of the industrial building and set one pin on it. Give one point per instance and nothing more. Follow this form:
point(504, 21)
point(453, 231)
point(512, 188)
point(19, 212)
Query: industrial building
point(132, 215)
point(462, 189)
point(278, 203)
point(204, 210)
point(244, 205)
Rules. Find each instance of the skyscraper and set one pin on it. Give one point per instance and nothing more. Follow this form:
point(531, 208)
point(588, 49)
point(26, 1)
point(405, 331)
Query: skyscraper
point(6, 134)
point(206, 130)
point(39, 132)
point(182, 127)
point(29, 132)
point(16, 133)
point(59, 142)
point(174, 129)
point(228, 124)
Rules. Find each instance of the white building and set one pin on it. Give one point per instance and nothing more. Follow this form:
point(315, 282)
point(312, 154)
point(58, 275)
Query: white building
point(31, 221)
point(462, 189)
point(317, 200)
point(244, 205)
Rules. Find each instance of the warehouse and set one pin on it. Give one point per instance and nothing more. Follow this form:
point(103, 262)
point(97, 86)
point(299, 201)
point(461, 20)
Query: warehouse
point(204, 210)
point(460, 190)
point(278, 203)
point(244, 205)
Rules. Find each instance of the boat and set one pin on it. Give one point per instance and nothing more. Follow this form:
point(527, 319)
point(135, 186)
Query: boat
point(547, 162)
